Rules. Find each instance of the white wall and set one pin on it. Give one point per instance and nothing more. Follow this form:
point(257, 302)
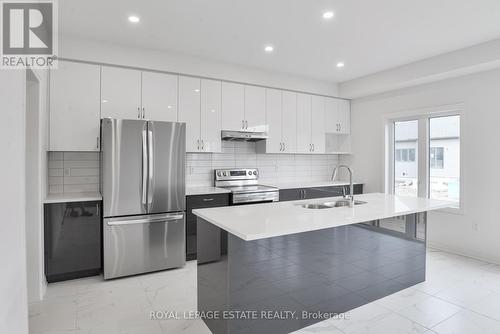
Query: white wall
point(480, 57)
point(13, 294)
point(36, 180)
point(476, 232)
point(179, 63)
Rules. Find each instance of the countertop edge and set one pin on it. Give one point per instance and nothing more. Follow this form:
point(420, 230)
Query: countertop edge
point(357, 220)
point(72, 197)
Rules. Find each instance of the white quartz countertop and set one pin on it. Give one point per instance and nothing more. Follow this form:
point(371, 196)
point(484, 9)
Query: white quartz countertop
point(73, 197)
point(308, 184)
point(205, 191)
point(260, 221)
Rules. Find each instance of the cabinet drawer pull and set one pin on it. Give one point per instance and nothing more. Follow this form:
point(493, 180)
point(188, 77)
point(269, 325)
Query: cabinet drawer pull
point(208, 199)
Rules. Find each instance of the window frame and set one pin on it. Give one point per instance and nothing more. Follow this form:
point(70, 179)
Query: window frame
point(423, 117)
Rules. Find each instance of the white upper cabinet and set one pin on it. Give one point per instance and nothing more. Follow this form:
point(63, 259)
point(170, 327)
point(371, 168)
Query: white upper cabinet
point(120, 93)
point(132, 94)
point(274, 144)
point(289, 122)
point(344, 116)
point(74, 107)
point(304, 144)
point(159, 96)
point(331, 115)
point(338, 116)
point(200, 108)
point(210, 129)
point(233, 106)
point(318, 124)
point(255, 108)
point(189, 111)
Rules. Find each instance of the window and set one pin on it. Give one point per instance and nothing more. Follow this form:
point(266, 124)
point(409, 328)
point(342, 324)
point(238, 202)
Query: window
point(444, 158)
point(405, 164)
point(435, 138)
point(436, 157)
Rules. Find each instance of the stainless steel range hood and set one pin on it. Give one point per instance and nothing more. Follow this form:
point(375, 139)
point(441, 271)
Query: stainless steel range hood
point(243, 135)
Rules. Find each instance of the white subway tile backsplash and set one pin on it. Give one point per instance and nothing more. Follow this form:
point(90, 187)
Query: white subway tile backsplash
point(79, 171)
point(273, 168)
point(71, 172)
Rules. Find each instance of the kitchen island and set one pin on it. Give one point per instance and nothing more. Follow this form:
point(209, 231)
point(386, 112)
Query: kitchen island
point(279, 267)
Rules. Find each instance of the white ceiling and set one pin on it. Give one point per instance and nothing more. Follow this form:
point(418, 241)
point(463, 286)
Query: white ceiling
point(368, 35)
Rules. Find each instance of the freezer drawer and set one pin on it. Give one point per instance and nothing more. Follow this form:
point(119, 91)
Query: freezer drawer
point(140, 244)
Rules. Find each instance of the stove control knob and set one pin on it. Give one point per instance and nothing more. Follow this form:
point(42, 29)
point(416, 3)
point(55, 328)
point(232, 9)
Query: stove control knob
point(225, 173)
point(254, 172)
point(249, 172)
point(219, 173)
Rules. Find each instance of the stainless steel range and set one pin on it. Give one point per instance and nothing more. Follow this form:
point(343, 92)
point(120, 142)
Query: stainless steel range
point(244, 186)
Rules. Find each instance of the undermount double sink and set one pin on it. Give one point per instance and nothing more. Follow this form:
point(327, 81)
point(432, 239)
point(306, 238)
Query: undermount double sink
point(329, 205)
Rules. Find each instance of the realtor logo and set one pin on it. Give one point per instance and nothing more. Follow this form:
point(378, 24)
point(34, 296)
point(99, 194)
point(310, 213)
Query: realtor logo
point(29, 36)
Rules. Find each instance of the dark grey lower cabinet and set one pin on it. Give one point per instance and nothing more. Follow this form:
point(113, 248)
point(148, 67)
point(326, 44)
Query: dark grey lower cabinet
point(72, 233)
point(317, 192)
point(199, 202)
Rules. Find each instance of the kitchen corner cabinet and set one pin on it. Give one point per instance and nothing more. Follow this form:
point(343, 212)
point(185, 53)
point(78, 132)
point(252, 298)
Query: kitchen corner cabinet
point(72, 240)
point(200, 108)
point(133, 94)
point(281, 120)
point(74, 107)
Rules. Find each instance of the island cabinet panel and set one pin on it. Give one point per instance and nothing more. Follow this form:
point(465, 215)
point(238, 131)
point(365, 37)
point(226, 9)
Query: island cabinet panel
point(72, 240)
point(331, 270)
point(199, 202)
point(317, 192)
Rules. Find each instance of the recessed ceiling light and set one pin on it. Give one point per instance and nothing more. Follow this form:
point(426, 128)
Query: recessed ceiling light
point(134, 19)
point(340, 64)
point(327, 15)
point(269, 48)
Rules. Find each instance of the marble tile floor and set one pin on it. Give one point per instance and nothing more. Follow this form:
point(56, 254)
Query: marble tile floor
point(460, 295)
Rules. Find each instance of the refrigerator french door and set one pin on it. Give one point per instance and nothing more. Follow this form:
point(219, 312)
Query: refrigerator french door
point(143, 189)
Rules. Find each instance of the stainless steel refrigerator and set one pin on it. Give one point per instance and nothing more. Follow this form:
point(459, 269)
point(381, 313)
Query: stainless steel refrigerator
point(143, 189)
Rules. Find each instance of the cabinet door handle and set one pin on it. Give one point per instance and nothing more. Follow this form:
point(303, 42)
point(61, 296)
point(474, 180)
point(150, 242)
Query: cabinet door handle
point(313, 147)
point(139, 112)
point(246, 125)
point(97, 143)
point(98, 211)
point(284, 147)
point(198, 144)
point(202, 145)
point(143, 112)
point(243, 124)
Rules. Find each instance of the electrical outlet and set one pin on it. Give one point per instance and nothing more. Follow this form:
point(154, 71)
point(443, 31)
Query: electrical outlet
point(67, 171)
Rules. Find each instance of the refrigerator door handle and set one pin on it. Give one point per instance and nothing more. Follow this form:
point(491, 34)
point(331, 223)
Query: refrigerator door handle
point(144, 167)
point(146, 220)
point(150, 165)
